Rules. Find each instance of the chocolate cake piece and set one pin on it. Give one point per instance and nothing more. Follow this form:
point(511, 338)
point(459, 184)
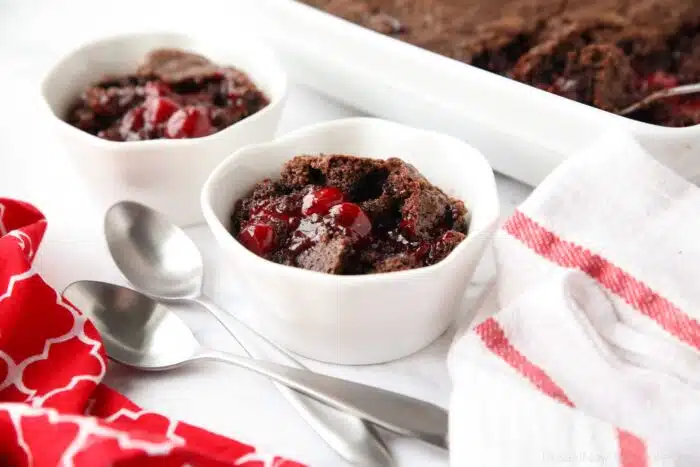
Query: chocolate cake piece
point(263, 190)
point(328, 256)
point(299, 172)
point(446, 244)
point(422, 211)
point(175, 66)
point(424, 206)
point(688, 58)
point(399, 262)
point(607, 76)
point(599, 75)
point(342, 214)
point(359, 177)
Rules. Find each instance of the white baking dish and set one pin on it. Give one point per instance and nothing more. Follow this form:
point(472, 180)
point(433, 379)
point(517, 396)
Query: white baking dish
point(523, 131)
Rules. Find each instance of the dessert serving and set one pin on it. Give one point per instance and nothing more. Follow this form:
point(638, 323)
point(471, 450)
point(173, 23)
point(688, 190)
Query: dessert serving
point(380, 215)
point(173, 94)
point(342, 214)
point(604, 53)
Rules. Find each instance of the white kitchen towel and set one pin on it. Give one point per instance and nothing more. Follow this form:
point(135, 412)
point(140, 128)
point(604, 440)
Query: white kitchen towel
point(592, 358)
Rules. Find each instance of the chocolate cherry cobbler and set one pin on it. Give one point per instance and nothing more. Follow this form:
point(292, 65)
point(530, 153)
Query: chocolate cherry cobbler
point(342, 214)
point(604, 53)
point(174, 94)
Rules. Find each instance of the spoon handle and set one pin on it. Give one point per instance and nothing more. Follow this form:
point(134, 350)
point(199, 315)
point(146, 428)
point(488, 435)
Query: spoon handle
point(392, 411)
point(662, 94)
point(353, 439)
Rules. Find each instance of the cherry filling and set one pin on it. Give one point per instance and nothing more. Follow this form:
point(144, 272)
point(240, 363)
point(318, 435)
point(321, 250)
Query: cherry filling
point(312, 214)
point(258, 238)
point(159, 109)
point(189, 122)
point(656, 81)
point(276, 210)
point(133, 121)
point(320, 210)
point(407, 226)
point(352, 218)
point(163, 115)
point(321, 200)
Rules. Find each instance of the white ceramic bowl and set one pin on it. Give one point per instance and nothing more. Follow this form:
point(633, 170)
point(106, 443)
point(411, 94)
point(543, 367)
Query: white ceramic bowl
point(368, 318)
point(165, 174)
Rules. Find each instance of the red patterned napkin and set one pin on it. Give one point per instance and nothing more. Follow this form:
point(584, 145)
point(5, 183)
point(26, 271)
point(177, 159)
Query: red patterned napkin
point(53, 408)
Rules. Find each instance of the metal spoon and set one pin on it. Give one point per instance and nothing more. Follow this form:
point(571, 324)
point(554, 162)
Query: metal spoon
point(662, 94)
point(160, 260)
point(140, 332)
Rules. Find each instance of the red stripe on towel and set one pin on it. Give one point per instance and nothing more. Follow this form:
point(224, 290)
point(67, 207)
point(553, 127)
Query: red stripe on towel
point(495, 339)
point(637, 294)
point(633, 451)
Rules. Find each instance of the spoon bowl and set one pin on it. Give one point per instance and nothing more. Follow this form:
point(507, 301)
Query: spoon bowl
point(136, 330)
point(154, 254)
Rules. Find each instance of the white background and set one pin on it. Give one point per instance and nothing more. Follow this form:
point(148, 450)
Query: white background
point(33, 33)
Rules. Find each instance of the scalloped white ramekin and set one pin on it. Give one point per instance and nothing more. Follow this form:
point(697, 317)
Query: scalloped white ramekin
point(165, 174)
point(367, 318)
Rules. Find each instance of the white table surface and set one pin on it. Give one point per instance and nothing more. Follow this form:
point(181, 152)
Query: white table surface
point(228, 401)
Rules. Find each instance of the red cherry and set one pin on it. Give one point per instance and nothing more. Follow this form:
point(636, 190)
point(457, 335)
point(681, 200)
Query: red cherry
point(449, 237)
point(658, 80)
point(689, 106)
point(156, 88)
point(132, 121)
point(352, 217)
point(159, 109)
point(422, 251)
point(408, 227)
point(258, 238)
point(189, 122)
point(321, 200)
